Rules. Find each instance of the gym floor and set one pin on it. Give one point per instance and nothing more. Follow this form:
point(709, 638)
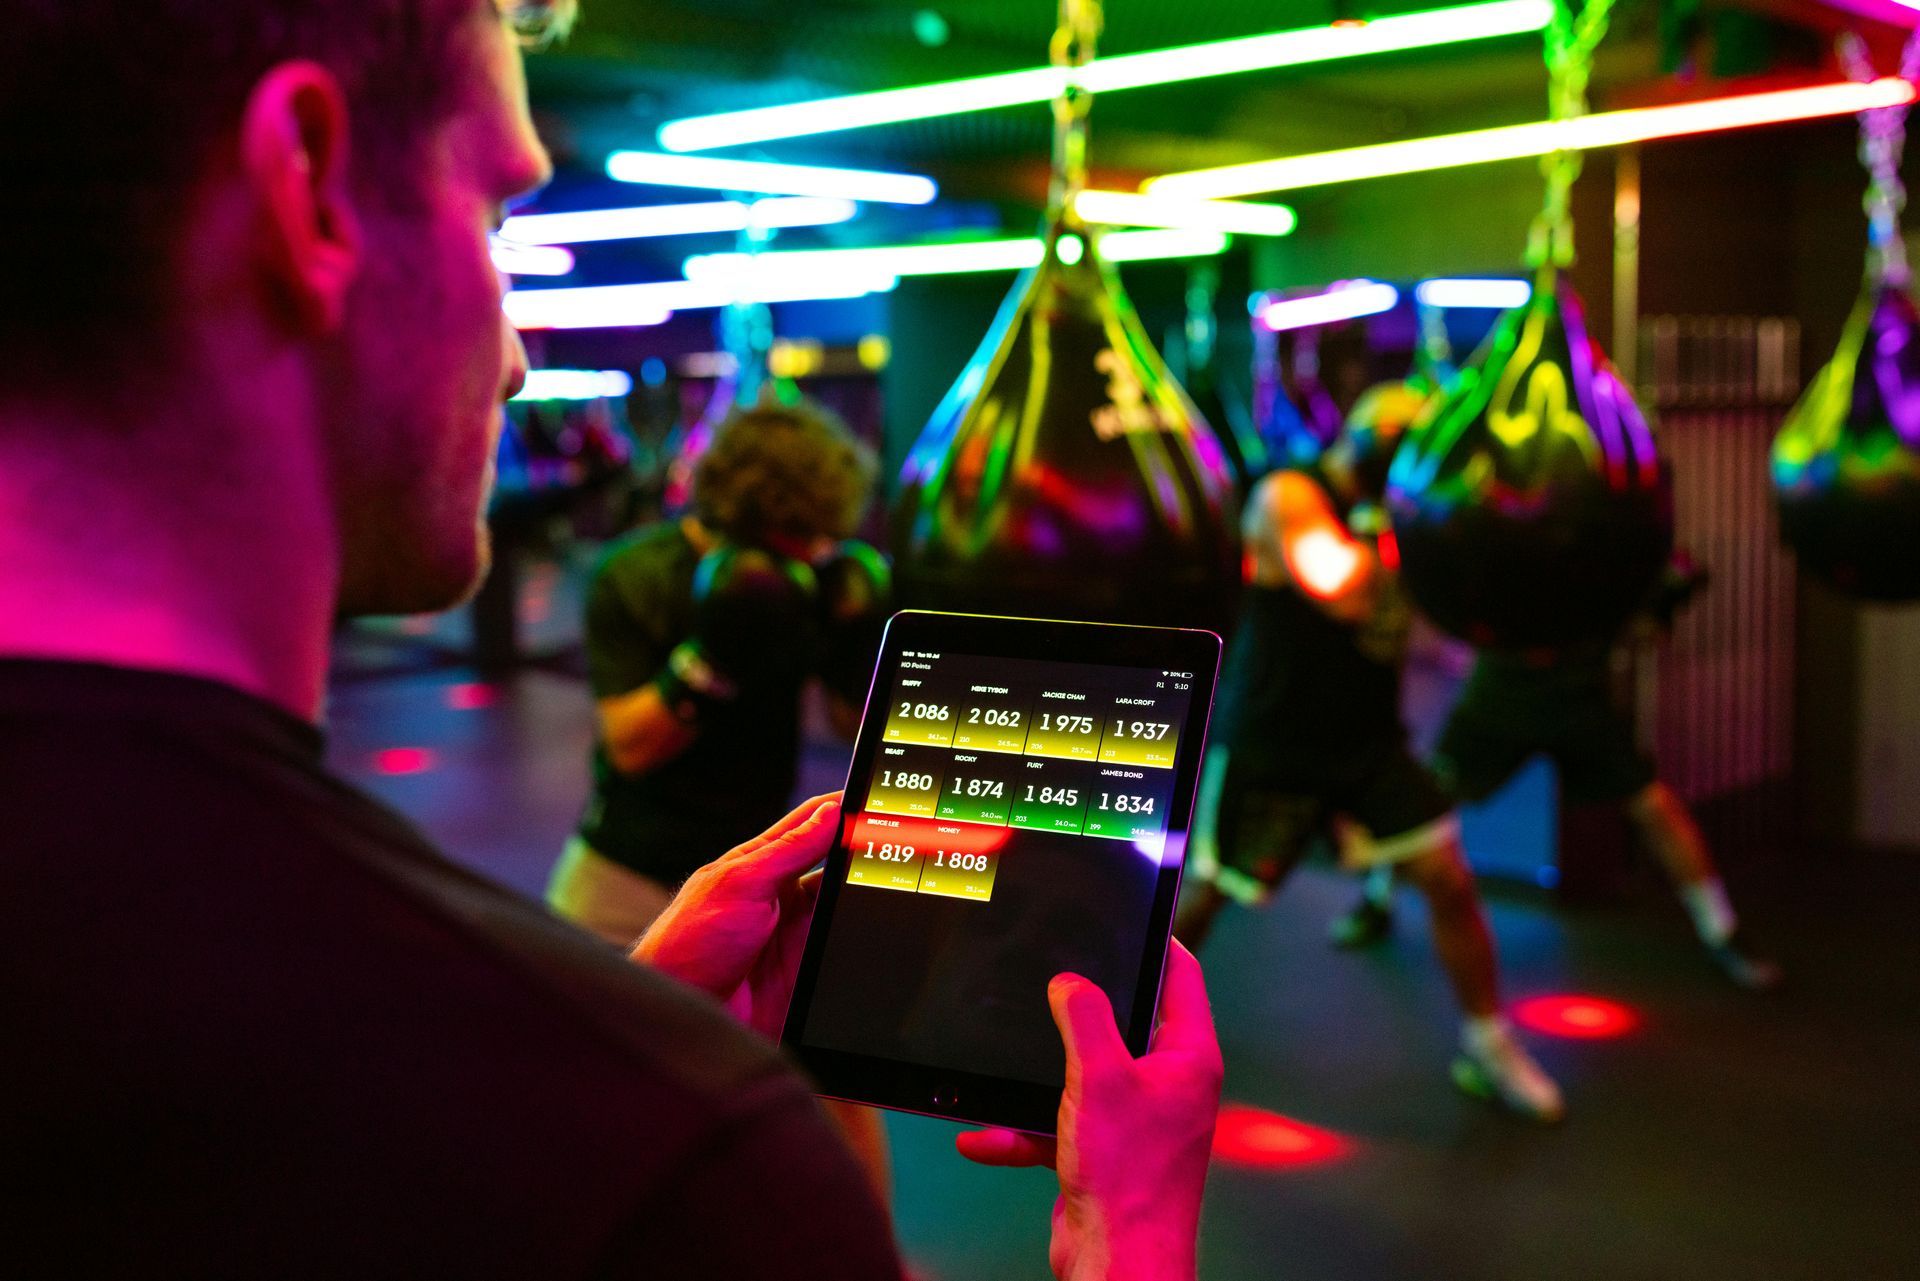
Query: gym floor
point(1721, 1135)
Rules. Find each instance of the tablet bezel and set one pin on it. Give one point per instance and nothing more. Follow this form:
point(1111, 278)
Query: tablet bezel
point(968, 1097)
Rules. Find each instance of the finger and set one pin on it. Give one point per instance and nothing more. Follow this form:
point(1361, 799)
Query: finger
point(778, 858)
point(1085, 1019)
point(1186, 1017)
point(1004, 1147)
point(798, 816)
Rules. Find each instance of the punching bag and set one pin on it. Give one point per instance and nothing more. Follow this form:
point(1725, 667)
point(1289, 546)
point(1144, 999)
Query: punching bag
point(1066, 474)
point(1530, 502)
point(1846, 464)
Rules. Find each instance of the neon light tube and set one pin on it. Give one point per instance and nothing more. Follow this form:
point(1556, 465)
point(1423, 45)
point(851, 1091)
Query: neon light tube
point(529, 260)
point(949, 259)
point(898, 260)
point(1129, 209)
point(1452, 25)
point(773, 179)
point(648, 221)
point(636, 306)
point(1495, 295)
point(1348, 301)
point(1158, 246)
point(574, 384)
point(1514, 142)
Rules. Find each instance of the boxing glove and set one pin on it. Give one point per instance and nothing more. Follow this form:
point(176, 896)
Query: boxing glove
point(753, 627)
point(855, 598)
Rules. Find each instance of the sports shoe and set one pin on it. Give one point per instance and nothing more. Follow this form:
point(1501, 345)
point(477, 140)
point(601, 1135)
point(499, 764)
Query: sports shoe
point(1364, 924)
point(1746, 970)
point(1496, 1067)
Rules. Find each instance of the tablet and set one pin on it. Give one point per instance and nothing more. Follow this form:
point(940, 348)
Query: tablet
point(1018, 806)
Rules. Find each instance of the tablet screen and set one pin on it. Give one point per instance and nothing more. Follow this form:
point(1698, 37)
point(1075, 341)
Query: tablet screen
point(1013, 822)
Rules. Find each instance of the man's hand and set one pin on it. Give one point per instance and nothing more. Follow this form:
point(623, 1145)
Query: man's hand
point(1135, 1134)
point(737, 927)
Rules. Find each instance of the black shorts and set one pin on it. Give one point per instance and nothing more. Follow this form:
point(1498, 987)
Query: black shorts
point(1499, 725)
point(1266, 826)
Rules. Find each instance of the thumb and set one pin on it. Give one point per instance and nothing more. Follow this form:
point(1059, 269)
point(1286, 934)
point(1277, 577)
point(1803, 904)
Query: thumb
point(1085, 1019)
point(798, 842)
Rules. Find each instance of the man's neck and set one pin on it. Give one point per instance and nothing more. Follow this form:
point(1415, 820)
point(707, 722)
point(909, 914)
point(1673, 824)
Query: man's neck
point(217, 569)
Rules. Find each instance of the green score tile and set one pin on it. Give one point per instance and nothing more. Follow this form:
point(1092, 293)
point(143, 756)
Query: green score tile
point(1052, 798)
point(1129, 804)
point(978, 789)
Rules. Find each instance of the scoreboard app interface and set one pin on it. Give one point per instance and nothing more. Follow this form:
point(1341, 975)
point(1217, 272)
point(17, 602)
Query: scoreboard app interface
point(1014, 826)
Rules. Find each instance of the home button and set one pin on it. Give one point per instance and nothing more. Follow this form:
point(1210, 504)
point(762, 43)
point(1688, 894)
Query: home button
point(945, 1098)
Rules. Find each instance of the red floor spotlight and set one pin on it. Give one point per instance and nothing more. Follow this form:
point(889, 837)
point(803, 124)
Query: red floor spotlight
point(1261, 1140)
point(1584, 1018)
point(471, 697)
point(404, 760)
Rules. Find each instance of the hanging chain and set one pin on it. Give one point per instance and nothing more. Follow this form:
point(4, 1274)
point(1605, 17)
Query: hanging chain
point(1883, 136)
point(1073, 47)
point(1435, 352)
point(1571, 41)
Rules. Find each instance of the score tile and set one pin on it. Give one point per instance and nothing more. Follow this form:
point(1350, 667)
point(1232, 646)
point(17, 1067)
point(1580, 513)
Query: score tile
point(951, 860)
point(1066, 728)
point(1137, 738)
point(906, 780)
point(1050, 796)
point(992, 718)
point(1125, 804)
point(886, 853)
point(886, 865)
point(978, 788)
point(920, 716)
point(960, 873)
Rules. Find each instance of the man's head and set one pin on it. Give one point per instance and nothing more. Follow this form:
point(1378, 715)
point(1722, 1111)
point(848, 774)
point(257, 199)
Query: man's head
point(302, 185)
point(1363, 452)
point(783, 477)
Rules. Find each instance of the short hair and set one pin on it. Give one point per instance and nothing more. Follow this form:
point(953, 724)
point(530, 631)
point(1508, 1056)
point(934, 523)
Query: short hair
point(112, 111)
point(783, 470)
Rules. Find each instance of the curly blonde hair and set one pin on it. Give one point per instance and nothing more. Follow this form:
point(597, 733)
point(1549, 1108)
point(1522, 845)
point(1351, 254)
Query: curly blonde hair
point(791, 471)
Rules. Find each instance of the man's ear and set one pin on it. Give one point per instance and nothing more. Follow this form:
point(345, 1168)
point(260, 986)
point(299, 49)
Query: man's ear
point(294, 153)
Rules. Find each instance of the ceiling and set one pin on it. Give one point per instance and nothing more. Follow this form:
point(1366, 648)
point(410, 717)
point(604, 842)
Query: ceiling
point(634, 64)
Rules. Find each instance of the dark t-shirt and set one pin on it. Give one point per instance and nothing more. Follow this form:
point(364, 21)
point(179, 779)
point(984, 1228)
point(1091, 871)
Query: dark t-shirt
point(734, 780)
point(1304, 697)
point(254, 1026)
